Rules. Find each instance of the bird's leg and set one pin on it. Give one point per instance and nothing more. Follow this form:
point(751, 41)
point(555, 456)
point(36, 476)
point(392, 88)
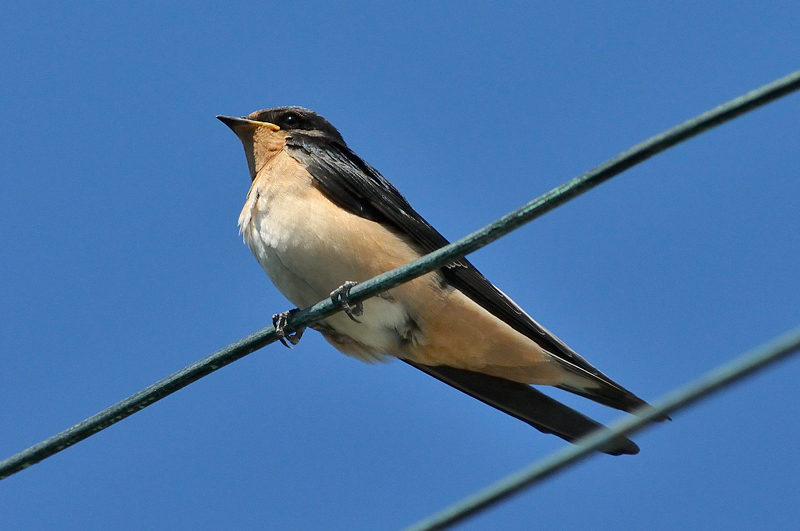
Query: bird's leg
point(279, 321)
point(339, 297)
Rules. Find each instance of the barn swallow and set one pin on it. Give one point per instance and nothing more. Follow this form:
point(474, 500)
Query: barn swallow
point(319, 219)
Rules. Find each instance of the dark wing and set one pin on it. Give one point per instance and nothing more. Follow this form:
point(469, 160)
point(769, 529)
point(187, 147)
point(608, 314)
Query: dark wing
point(357, 187)
point(528, 405)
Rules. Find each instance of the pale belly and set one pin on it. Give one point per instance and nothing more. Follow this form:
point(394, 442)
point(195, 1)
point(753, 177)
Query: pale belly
point(309, 247)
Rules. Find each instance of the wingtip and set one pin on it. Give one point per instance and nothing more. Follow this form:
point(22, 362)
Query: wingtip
point(528, 405)
point(620, 446)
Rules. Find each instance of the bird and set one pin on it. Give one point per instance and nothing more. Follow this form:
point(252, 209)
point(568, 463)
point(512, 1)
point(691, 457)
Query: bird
point(319, 219)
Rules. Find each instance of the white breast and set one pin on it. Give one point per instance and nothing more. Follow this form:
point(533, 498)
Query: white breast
point(308, 247)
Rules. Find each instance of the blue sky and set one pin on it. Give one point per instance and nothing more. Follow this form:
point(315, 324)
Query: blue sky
point(121, 262)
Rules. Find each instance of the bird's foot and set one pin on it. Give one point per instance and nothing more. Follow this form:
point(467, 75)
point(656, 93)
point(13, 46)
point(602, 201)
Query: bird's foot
point(279, 320)
point(339, 296)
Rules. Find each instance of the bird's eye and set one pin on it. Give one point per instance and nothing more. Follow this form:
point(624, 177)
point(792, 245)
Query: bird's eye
point(291, 119)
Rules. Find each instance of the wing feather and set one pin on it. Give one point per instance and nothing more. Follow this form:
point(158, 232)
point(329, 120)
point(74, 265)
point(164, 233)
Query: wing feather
point(356, 186)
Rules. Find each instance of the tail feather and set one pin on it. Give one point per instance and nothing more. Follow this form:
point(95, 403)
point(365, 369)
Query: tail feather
point(604, 391)
point(527, 404)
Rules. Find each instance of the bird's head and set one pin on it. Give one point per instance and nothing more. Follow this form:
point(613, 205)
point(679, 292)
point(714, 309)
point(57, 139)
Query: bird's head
point(263, 133)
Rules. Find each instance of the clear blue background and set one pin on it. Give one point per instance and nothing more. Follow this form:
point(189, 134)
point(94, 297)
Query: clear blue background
point(120, 261)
